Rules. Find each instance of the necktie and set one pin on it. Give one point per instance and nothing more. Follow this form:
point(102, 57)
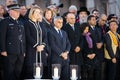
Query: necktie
point(73, 28)
point(93, 28)
point(60, 34)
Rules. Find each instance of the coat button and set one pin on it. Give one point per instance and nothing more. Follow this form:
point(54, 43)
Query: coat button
point(9, 43)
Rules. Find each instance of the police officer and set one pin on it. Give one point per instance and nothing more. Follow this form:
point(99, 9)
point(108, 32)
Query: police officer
point(12, 43)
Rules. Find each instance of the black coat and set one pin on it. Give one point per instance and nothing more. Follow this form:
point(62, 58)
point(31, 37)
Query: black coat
point(89, 63)
point(12, 36)
point(75, 38)
point(96, 37)
point(108, 43)
point(32, 42)
point(102, 30)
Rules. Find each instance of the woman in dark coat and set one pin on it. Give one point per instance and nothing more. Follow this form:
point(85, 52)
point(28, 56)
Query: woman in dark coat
point(47, 19)
point(36, 39)
point(89, 55)
point(47, 23)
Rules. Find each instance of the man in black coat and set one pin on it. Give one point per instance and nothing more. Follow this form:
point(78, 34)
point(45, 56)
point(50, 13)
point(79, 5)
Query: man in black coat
point(97, 44)
point(60, 47)
point(74, 35)
point(12, 44)
point(103, 29)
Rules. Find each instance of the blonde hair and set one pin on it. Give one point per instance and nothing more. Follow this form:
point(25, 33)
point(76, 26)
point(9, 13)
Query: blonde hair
point(32, 10)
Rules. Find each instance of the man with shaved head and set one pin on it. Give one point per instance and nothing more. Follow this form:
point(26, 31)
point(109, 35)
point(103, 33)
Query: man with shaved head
point(74, 35)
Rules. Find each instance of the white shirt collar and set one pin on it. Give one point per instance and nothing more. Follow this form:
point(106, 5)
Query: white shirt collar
point(71, 25)
point(92, 27)
point(56, 29)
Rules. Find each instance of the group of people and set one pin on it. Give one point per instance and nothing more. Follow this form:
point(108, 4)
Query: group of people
point(88, 40)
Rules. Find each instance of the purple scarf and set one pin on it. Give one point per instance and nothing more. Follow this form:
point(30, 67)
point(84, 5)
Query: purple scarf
point(88, 39)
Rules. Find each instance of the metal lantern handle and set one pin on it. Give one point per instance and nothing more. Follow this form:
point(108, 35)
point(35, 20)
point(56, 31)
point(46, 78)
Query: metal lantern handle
point(40, 41)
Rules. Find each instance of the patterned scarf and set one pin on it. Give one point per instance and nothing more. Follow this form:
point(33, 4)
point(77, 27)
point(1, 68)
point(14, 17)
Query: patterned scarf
point(88, 39)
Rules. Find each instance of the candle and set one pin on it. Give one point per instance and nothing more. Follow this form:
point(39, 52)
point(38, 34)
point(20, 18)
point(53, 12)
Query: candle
point(37, 72)
point(73, 73)
point(56, 72)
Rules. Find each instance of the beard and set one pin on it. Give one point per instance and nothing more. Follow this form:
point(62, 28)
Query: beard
point(83, 20)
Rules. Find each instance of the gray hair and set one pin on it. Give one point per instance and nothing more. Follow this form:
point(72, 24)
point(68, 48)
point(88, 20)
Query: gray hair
point(73, 7)
point(57, 17)
point(102, 15)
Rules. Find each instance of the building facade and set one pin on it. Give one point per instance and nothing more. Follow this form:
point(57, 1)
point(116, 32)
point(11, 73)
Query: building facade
point(104, 6)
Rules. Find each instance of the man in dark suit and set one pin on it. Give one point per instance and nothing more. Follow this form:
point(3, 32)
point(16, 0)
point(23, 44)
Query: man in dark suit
point(12, 44)
point(60, 47)
point(74, 35)
point(103, 28)
point(97, 44)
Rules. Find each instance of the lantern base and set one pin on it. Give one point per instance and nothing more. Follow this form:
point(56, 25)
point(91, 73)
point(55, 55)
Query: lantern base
point(74, 78)
point(37, 77)
point(55, 78)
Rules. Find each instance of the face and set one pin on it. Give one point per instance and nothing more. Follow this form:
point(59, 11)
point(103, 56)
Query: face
point(73, 11)
point(2, 11)
point(23, 10)
point(92, 22)
point(96, 13)
point(83, 15)
point(113, 26)
point(37, 14)
point(71, 18)
point(86, 30)
point(103, 20)
point(58, 23)
point(48, 15)
point(15, 13)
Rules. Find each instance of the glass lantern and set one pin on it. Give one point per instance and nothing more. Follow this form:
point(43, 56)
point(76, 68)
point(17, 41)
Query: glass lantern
point(73, 72)
point(56, 71)
point(38, 70)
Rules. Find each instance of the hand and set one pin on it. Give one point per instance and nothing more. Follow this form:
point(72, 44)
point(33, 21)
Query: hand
point(4, 53)
point(99, 45)
point(77, 49)
point(114, 60)
point(24, 54)
point(64, 55)
point(66, 52)
point(40, 48)
point(91, 56)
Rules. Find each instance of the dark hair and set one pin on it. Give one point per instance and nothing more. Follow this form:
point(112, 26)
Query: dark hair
point(113, 21)
point(111, 16)
point(94, 10)
point(46, 10)
point(83, 27)
point(89, 17)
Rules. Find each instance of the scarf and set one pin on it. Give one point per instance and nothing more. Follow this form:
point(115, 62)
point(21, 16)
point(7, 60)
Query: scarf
point(88, 39)
point(114, 37)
